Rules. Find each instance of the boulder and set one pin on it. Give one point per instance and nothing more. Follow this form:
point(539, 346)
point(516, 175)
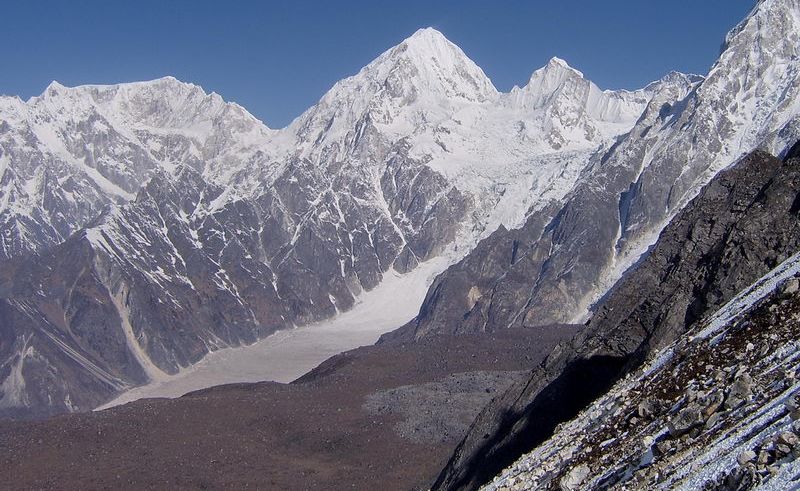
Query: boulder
point(575, 477)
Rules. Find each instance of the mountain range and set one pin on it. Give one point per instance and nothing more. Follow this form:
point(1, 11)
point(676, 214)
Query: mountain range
point(145, 225)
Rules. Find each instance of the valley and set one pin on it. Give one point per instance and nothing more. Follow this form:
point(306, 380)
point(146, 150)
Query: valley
point(286, 355)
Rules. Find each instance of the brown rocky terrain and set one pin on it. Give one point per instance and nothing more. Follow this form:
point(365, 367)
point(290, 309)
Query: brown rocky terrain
point(360, 418)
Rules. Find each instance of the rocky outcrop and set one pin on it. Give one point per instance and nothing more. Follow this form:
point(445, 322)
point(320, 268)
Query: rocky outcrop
point(740, 226)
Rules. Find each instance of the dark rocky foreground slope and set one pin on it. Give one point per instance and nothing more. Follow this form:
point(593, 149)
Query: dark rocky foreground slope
point(740, 226)
point(715, 410)
point(372, 415)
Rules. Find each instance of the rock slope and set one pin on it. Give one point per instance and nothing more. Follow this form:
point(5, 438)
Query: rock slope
point(715, 410)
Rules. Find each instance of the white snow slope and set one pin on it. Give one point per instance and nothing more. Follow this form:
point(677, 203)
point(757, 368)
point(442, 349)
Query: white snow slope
point(286, 355)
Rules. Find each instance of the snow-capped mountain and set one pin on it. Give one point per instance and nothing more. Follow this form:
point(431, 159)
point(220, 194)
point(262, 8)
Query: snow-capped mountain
point(570, 109)
point(189, 226)
point(565, 258)
point(68, 154)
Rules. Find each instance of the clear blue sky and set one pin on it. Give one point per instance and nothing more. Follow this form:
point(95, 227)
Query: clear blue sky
point(277, 58)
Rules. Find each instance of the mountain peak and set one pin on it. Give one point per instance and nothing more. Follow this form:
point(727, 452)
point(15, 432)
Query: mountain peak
point(773, 13)
point(422, 67)
point(427, 35)
point(55, 84)
point(429, 41)
point(547, 82)
point(439, 66)
point(164, 102)
point(569, 100)
point(559, 66)
point(53, 88)
point(160, 84)
point(671, 79)
point(558, 62)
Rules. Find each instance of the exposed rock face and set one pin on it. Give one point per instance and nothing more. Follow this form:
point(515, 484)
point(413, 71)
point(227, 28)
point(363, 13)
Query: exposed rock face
point(568, 255)
point(740, 226)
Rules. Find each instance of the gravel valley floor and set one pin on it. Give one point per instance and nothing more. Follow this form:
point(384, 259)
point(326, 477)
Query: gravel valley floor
point(348, 424)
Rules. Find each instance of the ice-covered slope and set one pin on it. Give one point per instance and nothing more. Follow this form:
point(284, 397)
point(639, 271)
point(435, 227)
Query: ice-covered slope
point(204, 229)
